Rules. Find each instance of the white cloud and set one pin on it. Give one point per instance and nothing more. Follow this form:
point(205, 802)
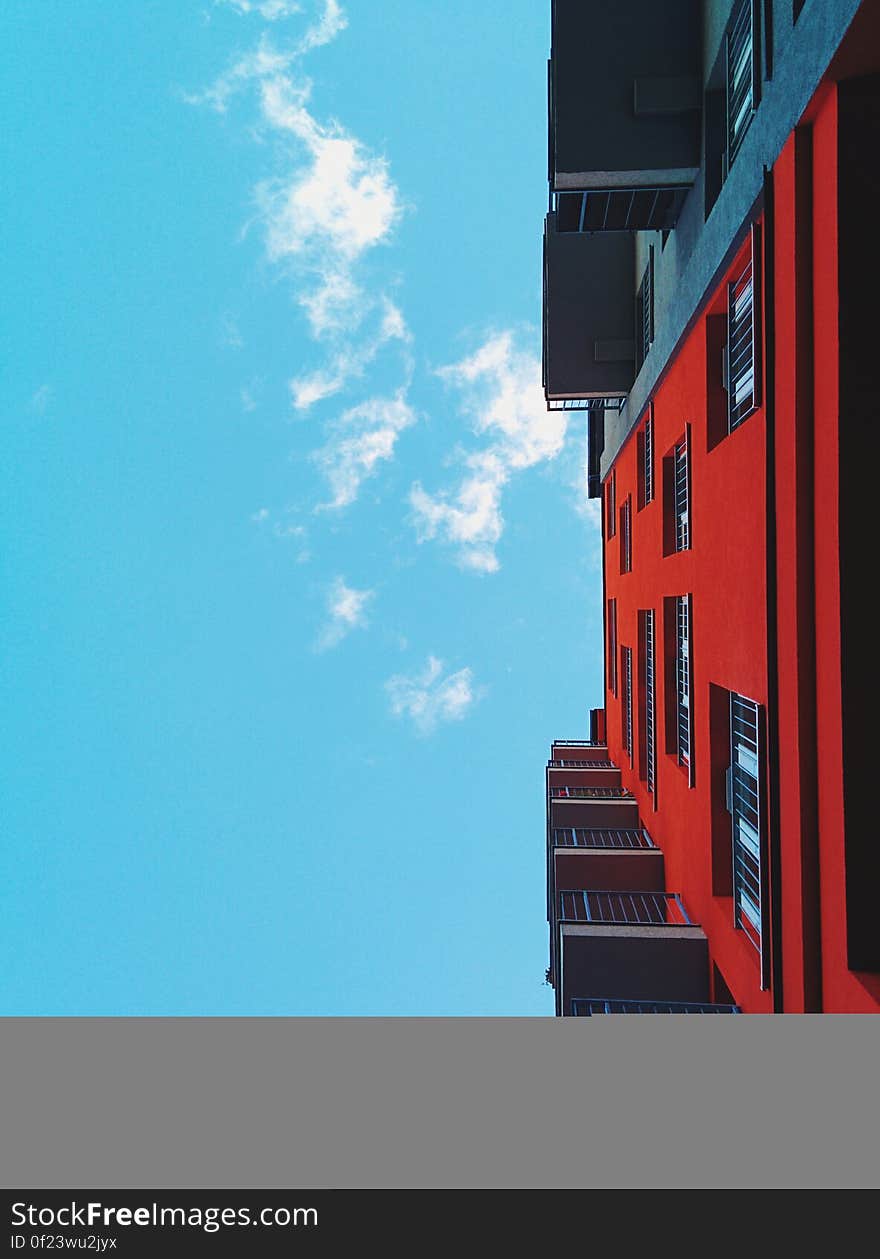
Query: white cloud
point(362, 438)
point(346, 609)
point(327, 27)
point(264, 60)
point(351, 361)
point(326, 213)
point(271, 10)
point(502, 396)
point(429, 697)
point(330, 21)
point(335, 202)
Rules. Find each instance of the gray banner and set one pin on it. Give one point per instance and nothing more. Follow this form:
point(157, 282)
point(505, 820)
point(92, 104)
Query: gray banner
point(626, 1102)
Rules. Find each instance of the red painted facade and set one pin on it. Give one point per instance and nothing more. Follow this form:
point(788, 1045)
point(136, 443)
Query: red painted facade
point(762, 573)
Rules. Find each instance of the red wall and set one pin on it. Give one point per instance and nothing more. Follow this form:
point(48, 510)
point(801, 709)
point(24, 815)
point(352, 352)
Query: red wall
point(725, 572)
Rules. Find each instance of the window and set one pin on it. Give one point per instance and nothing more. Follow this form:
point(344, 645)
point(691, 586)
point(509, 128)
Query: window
point(645, 312)
point(683, 680)
point(681, 481)
point(745, 808)
point(612, 646)
point(743, 340)
point(742, 82)
point(646, 459)
point(626, 536)
point(611, 505)
point(733, 91)
point(626, 658)
point(647, 714)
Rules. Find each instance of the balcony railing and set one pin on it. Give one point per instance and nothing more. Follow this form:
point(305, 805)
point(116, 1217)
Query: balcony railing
point(581, 765)
point(591, 793)
point(586, 837)
point(579, 743)
point(585, 1006)
point(636, 909)
point(615, 403)
point(620, 209)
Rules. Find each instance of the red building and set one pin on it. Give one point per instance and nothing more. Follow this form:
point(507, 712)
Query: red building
point(707, 847)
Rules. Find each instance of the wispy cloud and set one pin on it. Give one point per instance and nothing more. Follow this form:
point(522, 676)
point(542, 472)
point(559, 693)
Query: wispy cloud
point(264, 60)
point(247, 398)
point(335, 202)
point(332, 205)
point(271, 10)
point(331, 21)
point(500, 388)
point(362, 438)
point(430, 698)
point(346, 609)
point(329, 17)
point(41, 399)
point(328, 212)
point(349, 362)
point(230, 333)
point(284, 526)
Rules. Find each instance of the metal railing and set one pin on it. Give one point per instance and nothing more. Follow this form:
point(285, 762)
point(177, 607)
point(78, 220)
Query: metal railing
point(740, 77)
point(579, 743)
point(585, 1006)
point(634, 909)
point(644, 332)
point(615, 403)
point(591, 793)
point(648, 461)
point(681, 476)
point(620, 209)
point(599, 837)
point(650, 702)
point(683, 680)
point(581, 765)
point(741, 348)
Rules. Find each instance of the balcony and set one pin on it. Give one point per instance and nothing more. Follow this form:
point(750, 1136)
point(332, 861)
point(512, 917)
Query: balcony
point(619, 907)
point(564, 763)
point(640, 945)
point(582, 774)
point(582, 1007)
point(578, 750)
point(636, 66)
point(594, 808)
point(621, 860)
point(588, 346)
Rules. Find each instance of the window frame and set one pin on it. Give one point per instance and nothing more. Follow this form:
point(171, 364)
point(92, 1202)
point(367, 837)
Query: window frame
point(744, 332)
point(684, 750)
point(626, 535)
point(611, 506)
point(742, 77)
point(681, 492)
point(644, 312)
point(649, 698)
point(745, 792)
point(648, 458)
point(627, 705)
point(612, 646)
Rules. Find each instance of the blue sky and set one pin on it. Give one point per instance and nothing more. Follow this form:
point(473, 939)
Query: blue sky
point(299, 577)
